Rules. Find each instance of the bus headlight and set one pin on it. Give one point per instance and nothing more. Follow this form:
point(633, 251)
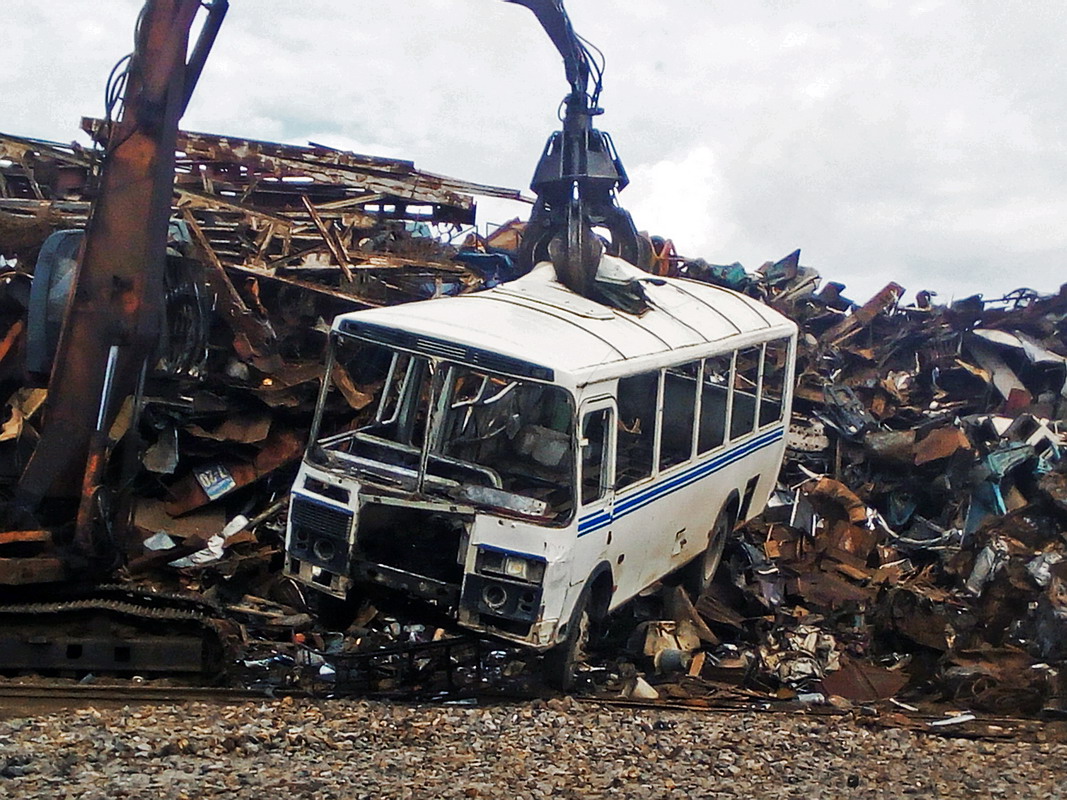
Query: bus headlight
point(510, 565)
point(523, 569)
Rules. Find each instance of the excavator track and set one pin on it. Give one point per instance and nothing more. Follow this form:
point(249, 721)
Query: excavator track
point(115, 630)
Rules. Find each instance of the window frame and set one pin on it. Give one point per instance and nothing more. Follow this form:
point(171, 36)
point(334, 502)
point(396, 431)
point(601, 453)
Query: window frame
point(657, 413)
point(728, 414)
point(694, 416)
point(789, 343)
point(757, 392)
point(607, 466)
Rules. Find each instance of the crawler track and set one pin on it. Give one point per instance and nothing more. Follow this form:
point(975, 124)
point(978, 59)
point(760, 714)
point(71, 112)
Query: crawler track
point(111, 629)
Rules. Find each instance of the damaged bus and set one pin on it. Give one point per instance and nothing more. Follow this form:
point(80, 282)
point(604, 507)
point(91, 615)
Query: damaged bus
point(533, 459)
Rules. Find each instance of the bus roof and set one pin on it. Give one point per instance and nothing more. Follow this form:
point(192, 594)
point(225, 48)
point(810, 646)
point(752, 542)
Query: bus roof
point(535, 319)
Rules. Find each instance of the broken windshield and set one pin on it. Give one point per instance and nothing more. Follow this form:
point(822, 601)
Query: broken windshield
point(494, 441)
point(518, 432)
point(387, 395)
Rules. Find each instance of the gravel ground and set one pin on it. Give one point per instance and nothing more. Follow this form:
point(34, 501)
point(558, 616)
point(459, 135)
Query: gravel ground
point(554, 749)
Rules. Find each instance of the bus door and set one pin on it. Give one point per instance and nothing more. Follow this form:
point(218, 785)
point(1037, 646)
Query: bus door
point(596, 479)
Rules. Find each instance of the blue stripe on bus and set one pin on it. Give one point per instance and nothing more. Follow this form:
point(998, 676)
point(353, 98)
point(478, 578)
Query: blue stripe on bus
point(626, 505)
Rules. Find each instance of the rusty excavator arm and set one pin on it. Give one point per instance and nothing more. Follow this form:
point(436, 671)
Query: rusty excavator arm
point(113, 318)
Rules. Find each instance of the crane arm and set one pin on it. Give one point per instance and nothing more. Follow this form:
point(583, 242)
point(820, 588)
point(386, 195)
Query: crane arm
point(579, 174)
point(553, 18)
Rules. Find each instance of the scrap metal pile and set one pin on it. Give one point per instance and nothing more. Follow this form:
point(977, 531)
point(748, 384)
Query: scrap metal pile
point(916, 546)
point(268, 243)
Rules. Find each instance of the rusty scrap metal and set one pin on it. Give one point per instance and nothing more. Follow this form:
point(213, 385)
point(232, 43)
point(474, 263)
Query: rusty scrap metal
point(935, 524)
point(863, 316)
point(255, 334)
point(330, 237)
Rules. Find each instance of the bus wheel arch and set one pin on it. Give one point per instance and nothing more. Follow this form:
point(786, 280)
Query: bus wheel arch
point(731, 508)
point(699, 574)
point(601, 585)
point(559, 663)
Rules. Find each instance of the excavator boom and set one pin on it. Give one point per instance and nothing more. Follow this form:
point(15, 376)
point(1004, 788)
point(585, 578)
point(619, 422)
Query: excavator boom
point(113, 317)
point(554, 19)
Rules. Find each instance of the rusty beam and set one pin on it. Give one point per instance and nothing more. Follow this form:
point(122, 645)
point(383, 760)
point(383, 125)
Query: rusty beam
point(257, 333)
point(863, 316)
point(190, 198)
point(313, 288)
point(18, 148)
point(25, 537)
point(336, 249)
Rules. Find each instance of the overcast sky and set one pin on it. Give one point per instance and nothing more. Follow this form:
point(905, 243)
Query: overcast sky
point(922, 142)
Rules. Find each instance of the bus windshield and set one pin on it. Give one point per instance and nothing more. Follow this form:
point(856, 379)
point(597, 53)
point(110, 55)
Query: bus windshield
point(475, 436)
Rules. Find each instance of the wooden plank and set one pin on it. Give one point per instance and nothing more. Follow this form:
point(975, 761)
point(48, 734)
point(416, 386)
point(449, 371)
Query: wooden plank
point(11, 537)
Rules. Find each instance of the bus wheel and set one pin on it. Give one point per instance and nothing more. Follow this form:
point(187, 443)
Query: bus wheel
point(560, 662)
point(700, 572)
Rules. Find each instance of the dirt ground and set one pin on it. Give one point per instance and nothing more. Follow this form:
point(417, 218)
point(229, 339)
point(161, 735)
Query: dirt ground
point(558, 748)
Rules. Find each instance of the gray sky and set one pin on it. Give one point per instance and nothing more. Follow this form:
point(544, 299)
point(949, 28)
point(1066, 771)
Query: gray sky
point(923, 142)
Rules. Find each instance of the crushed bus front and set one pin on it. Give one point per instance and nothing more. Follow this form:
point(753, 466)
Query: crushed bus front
point(448, 489)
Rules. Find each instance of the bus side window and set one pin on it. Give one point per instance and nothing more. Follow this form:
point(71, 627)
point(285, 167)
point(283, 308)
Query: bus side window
point(775, 360)
point(636, 442)
point(746, 391)
point(595, 429)
point(679, 407)
point(714, 402)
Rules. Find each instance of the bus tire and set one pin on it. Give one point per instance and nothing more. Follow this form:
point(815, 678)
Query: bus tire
point(560, 662)
point(699, 574)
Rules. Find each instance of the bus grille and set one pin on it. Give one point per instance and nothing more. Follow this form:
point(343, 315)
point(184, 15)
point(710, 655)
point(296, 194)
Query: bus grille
point(322, 518)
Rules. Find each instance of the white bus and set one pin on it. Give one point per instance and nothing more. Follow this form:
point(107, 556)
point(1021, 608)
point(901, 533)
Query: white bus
point(534, 459)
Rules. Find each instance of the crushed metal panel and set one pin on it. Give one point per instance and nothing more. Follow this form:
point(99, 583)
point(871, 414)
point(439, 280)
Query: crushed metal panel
point(941, 443)
point(200, 487)
point(864, 315)
point(1005, 380)
point(862, 682)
